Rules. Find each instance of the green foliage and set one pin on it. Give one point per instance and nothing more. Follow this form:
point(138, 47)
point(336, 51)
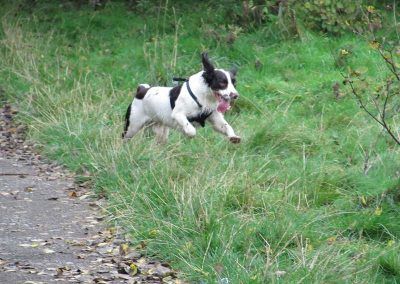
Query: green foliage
point(334, 17)
point(288, 18)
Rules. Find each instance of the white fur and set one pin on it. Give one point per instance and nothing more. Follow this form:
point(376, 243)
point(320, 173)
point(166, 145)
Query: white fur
point(155, 108)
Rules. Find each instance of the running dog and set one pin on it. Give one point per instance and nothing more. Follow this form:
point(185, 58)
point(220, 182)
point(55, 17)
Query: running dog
point(203, 97)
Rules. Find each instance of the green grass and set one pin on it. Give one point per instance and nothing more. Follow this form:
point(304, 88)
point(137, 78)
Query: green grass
point(293, 197)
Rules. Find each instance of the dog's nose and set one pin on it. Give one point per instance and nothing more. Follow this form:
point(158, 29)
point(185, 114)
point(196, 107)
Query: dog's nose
point(233, 96)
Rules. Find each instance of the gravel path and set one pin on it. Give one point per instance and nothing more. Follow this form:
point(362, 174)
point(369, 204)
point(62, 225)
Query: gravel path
point(52, 229)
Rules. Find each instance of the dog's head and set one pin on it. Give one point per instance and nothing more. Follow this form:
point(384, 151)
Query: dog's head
point(221, 82)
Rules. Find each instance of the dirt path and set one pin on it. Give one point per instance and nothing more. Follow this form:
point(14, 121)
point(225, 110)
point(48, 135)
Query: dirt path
point(51, 229)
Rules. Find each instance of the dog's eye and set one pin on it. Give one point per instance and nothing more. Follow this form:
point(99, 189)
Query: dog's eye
point(223, 84)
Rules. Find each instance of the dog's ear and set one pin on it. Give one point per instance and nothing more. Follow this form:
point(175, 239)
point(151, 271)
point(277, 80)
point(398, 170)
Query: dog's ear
point(208, 67)
point(233, 71)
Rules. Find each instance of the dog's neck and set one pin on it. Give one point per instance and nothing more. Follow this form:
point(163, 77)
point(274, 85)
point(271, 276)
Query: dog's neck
point(201, 90)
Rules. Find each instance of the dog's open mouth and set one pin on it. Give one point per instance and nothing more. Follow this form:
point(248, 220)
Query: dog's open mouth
point(223, 102)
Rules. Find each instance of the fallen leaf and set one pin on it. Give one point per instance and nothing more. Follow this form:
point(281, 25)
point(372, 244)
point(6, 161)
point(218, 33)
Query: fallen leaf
point(124, 249)
point(33, 245)
point(375, 44)
point(105, 249)
point(363, 201)
point(123, 276)
point(84, 196)
point(168, 280)
point(153, 233)
point(99, 218)
point(133, 269)
point(47, 250)
point(42, 273)
point(72, 194)
point(331, 240)
point(38, 240)
point(75, 242)
point(141, 261)
point(28, 189)
point(371, 9)
point(161, 271)
point(133, 255)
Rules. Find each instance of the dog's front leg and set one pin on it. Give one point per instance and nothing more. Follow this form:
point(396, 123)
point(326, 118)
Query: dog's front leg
point(182, 120)
point(219, 124)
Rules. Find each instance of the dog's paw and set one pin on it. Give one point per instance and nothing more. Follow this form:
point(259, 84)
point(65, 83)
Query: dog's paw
point(235, 139)
point(190, 131)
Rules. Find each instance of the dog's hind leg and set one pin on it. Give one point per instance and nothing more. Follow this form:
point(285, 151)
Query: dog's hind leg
point(134, 128)
point(161, 133)
point(135, 120)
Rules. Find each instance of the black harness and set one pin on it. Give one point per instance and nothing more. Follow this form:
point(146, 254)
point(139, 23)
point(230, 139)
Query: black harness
point(204, 114)
point(189, 89)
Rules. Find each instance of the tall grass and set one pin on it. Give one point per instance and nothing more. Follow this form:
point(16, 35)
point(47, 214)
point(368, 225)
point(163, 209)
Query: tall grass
point(292, 203)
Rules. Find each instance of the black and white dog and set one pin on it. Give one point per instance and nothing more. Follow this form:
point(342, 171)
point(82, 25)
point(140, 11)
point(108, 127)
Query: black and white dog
point(205, 96)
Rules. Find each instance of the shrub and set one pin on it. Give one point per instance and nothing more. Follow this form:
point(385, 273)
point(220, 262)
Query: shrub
point(329, 16)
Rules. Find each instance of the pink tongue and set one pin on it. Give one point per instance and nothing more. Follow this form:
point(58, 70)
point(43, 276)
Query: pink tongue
point(223, 106)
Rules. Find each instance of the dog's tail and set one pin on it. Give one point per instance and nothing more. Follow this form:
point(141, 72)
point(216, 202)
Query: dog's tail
point(141, 91)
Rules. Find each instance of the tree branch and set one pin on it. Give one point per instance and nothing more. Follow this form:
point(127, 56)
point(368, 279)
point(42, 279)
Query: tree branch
point(382, 114)
point(392, 66)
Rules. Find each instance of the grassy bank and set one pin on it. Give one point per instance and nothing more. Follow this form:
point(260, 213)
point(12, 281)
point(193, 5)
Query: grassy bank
point(312, 193)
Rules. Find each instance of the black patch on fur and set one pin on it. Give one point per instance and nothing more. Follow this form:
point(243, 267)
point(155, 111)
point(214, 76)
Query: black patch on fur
point(216, 80)
point(127, 115)
point(201, 117)
point(174, 94)
point(207, 65)
point(141, 92)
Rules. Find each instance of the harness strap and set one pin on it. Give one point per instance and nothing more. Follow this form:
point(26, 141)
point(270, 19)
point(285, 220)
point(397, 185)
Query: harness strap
point(192, 95)
point(178, 79)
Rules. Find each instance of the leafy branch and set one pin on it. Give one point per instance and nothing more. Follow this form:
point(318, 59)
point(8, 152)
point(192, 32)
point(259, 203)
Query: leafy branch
point(381, 118)
point(385, 104)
